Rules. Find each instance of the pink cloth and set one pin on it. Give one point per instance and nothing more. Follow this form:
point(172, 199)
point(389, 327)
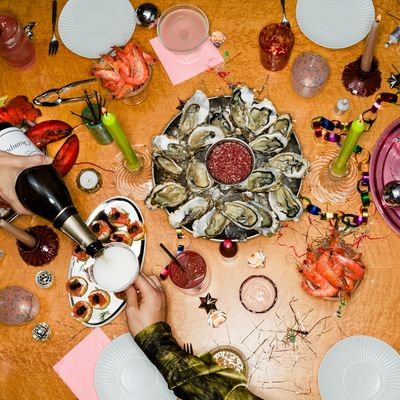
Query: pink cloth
point(179, 72)
point(77, 367)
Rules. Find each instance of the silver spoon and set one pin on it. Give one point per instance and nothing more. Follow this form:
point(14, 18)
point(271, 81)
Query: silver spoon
point(284, 19)
point(391, 194)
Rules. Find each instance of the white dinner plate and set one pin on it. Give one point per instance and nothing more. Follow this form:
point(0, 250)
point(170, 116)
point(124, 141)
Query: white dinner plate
point(123, 372)
point(360, 368)
point(90, 28)
point(335, 24)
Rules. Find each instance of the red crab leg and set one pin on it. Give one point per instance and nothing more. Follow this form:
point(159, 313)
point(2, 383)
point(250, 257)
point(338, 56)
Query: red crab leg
point(47, 132)
point(67, 155)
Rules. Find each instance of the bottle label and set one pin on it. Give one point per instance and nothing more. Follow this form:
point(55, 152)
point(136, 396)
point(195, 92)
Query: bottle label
point(14, 141)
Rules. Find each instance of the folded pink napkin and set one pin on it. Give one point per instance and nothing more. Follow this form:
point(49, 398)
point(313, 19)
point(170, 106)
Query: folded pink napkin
point(179, 72)
point(77, 367)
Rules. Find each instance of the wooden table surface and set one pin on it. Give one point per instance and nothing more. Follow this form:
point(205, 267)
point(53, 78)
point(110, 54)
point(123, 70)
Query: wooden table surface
point(277, 371)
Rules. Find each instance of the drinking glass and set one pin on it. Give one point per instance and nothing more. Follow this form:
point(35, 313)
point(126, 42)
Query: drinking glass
point(258, 294)
point(276, 42)
point(139, 95)
point(115, 268)
point(98, 131)
point(182, 29)
point(194, 277)
point(309, 74)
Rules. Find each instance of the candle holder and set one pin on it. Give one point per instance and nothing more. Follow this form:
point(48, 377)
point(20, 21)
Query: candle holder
point(328, 187)
point(135, 184)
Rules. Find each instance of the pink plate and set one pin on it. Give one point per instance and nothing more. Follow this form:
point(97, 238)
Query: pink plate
point(385, 167)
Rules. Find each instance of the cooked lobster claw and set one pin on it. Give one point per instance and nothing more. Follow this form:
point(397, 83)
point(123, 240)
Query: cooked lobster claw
point(67, 155)
point(47, 132)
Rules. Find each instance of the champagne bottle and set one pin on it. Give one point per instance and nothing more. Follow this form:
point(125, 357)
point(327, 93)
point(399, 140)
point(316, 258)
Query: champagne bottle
point(42, 190)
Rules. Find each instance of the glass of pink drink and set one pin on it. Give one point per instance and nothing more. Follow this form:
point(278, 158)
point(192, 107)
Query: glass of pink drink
point(182, 29)
point(195, 277)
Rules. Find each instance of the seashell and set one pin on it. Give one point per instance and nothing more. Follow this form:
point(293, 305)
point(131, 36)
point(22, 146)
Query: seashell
point(285, 204)
point(169, 194)
point(270, 222)
point(292, 165)
point(204, 135)
point(197, 176)
point(262, 180)
point(189, 211)
point(261, 116)
point(269, 144)
point(168, 166)
point(283, 124)
point(216, 318)
point(194, 113)
point(241, 214)
point(221, 119)
point(241, 101)
point(170, 148)
point(210, 224)
point(257, 260)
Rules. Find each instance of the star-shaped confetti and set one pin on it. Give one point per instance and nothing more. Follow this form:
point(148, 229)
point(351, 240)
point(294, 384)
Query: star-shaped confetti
point(394, 81)
point(208, 303)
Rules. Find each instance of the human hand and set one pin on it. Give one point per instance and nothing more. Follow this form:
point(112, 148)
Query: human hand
point(10, 167)
point(146, 307)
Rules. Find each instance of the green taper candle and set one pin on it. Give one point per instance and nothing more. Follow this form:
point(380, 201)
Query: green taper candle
point(356, 129)
point(133, 162)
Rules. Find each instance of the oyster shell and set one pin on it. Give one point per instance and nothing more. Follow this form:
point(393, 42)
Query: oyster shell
point(285, 204)
point(169, 194)
point(221, 119)
point(168, 166)
point(241, 101)
point(292, 165)
point(171, 148)
point(262, 180)
point(283, 125)
point(194, 113)
point(261, 116)
point(270, 222)
point(242, 214)
point(197, 176)
point(204, 135)
point(269, 144)
point(189, 211)
point(210, 224)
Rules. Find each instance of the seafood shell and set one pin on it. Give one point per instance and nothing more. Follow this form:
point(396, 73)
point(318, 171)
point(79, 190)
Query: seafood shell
point(171, 148)
point(269, 144)
point(270, 222)
point(261, 116)
point(241, 101)
point(169, 194)
point(189, 211)
point(283, 125)
point(221, 119)
point(194, 113)
point(292, 165)
point(204, 135)
point(168, 166)
point(197, 176)
point(210, 224)
point(285, 204)
point(242, 214)
point(262, 180)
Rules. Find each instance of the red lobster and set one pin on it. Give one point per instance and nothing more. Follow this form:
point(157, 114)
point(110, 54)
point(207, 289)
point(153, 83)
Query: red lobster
point(19, 110)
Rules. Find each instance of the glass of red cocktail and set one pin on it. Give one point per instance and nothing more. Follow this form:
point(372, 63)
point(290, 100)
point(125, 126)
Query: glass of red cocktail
point(194, 276)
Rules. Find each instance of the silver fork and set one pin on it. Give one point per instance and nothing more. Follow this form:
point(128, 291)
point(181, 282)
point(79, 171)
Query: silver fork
point(188, 348)
point(53, 45)
point(284, 19)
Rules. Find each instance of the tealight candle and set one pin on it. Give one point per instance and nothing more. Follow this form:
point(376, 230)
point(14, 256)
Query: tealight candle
point(89, 180)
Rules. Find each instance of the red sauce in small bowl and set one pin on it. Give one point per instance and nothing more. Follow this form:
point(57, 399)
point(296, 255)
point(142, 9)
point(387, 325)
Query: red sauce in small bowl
point(229, 162)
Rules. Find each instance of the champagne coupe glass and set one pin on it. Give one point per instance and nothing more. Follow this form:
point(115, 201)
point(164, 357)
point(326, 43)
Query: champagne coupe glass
point(183, 29)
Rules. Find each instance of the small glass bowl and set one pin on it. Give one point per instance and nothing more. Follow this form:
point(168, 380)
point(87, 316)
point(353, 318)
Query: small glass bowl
point(230, 357)
point(139, 95)
point(258, 294)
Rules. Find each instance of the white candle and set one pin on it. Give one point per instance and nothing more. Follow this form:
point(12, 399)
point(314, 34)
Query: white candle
point(89, 180)
point(366, 60)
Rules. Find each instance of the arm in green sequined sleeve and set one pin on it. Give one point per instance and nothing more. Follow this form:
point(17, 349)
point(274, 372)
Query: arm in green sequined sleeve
point(190, 377)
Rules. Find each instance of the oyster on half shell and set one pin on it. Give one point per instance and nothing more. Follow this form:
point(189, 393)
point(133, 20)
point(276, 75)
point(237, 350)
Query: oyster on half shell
point(189, 211)
point(242, 214)
point(204, 135)
point(221, 119)
point(262, 180)
point(169, 194)
point(269, 144)
point(283, 125)
point(241, 101)
point(292, 165)
point(171, 148)
point(285, 204)
point(197, 176)
point(261, 116)
point(194, 113)
point(167, 165)
point(210, 224)
point(270, 222)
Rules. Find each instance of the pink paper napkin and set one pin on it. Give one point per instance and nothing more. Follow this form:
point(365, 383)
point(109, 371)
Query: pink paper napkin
point(77, 367)
point(179, 72)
